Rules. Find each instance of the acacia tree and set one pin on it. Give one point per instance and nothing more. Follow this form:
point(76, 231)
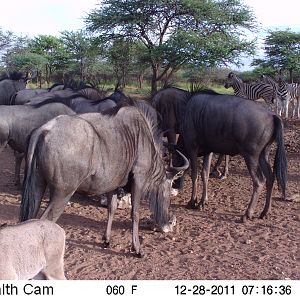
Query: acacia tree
point(282, 51)
point(6, 39)
point(52, 49)
point(29, 63)
point(177, 32)
point(81, 48)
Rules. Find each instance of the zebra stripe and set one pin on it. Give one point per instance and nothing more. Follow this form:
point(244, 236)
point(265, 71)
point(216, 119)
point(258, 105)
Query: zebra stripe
point(289, 93)
point(250, 91)
point(294, 91)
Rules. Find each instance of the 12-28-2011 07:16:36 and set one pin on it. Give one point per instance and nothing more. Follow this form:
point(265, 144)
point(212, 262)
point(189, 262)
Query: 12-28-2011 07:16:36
point(231, 290)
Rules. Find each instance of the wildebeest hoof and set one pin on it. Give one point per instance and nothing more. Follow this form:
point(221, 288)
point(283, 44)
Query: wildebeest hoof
point(139, 255)
point(263, 215)
point(191, 205)
point(105, 244)
point(201, 205)
point(244, 219)
point(215, 174)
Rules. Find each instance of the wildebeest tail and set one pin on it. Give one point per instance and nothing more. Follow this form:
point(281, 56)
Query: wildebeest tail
point(280, 162)
point(30, 201)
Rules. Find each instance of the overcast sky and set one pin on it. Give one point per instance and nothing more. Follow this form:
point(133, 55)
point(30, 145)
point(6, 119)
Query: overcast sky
point(34, 17)
point(46, 17)
point(50, 17)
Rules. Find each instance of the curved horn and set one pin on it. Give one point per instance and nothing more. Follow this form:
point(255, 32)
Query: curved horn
point(182, 168)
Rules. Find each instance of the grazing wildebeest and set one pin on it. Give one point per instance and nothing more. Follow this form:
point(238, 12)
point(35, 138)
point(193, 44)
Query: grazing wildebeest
point(10, 85)
point(32, 249)
point(18, 121)
point(72, 153)
point(170, 103)
point(230, 125)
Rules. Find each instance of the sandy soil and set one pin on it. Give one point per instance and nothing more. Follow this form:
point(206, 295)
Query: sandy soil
point(208, 244)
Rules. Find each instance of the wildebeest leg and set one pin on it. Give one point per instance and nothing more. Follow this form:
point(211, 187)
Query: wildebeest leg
point(112, 204)
point(58, 201)
point(216, 172)
point(18, 162)
point(194, 170)
point(270, 178)
point(226, 168)
point(205, 176)
point(258, 182)
point(135, 216)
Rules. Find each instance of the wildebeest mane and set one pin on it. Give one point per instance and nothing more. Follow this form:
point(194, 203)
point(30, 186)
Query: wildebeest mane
point(114, 110)
point(54, 85)
point(167, 87)
point(205, 91)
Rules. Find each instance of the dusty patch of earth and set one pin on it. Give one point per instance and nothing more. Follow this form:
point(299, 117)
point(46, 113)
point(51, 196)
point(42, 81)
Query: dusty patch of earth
point(208, 244)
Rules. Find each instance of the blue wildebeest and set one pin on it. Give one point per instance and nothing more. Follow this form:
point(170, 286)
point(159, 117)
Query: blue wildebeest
point(75, 101)
point(32, 250)
point(10, 85)
point(170, 103)
point(18, 121)
point(23, 96)
point(91, 93)
point(72, 153)
point(230, 125)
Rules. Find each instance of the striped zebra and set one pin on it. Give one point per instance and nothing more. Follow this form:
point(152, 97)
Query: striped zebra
point(250, 91)
point(294, 90)
point(289, 93)
point(279, 93)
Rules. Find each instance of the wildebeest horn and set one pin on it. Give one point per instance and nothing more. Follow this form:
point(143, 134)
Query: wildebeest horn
point(181, 168)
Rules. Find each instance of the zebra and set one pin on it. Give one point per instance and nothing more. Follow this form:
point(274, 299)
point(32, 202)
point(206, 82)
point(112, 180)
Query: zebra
point(289, 93)
point(294, 90)
point(279, 93)
point(250, 91)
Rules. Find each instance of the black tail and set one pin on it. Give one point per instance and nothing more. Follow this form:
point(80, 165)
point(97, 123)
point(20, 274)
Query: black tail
point(280, 162)
point(30, 201)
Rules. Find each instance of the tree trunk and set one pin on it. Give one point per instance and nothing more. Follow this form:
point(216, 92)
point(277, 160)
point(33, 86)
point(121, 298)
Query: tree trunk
point(291, 75)
point(141, 80)
point(154, 80)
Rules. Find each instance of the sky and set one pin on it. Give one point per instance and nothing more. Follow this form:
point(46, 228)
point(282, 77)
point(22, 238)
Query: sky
point(45, 17)
point(50, 17)
point(34, 17)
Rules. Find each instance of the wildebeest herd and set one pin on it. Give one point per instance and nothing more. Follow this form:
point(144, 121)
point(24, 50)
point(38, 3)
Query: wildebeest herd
point(70, 146)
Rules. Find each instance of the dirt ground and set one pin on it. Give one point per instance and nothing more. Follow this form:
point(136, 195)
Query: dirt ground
point(208, 244)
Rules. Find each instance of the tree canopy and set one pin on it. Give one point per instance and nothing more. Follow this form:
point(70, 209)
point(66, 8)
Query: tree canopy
point(176, 32)
point(282, 51)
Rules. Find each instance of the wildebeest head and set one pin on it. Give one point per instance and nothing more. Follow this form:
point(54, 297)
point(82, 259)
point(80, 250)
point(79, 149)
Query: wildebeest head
point(172, 173)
